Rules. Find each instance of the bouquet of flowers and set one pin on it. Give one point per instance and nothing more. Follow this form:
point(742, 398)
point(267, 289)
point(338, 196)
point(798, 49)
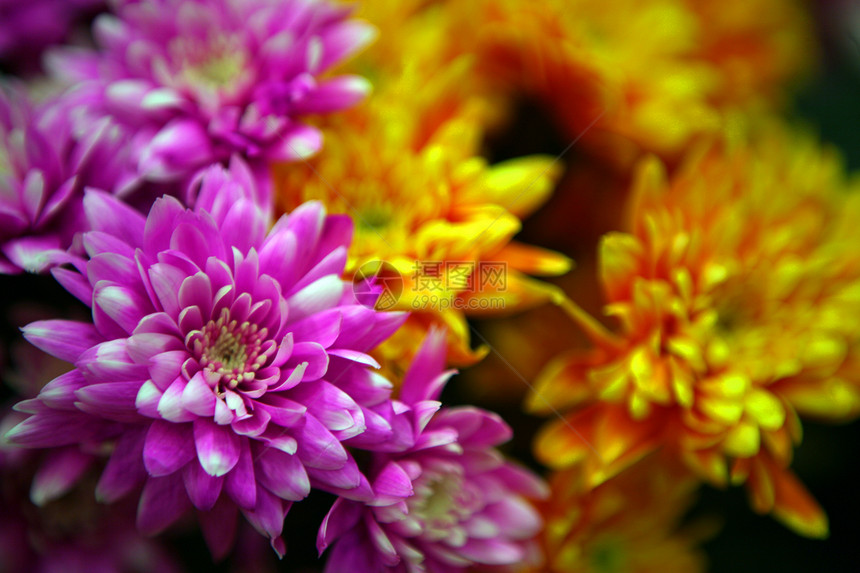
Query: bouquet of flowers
point(268, 265)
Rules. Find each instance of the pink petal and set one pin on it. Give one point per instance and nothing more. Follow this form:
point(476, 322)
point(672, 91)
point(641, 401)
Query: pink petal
point(314, 355)
point(147, 400)
point(217, 447)
point(58, 473)
point(65, 339)
point(241, 484)
point(316, 297)
point(492, 551)
point(165, 367)
point(203, 489)
point(299, 143)
point(111, 400)
point(219, 527)
point(391, 485)
point(344, 39)
point(268, 517)
point(125, 468)
point(162, 502)
point(198, 397)
point(167, 448)
point(283, 475)
point(322, 328)
point(109, 215)
point(59, 393)
point(318, 448)
point(112, 267)
point(341, 518)
point(333, 95)
point(177, 149)
point(421, 381)
point(143, 346)
point(170, 405)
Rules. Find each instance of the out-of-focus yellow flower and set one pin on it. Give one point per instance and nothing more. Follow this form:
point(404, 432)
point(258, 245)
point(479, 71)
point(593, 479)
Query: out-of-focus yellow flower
point(630, 523)
point(736, 292)
point(406, 166)
point(657, 73)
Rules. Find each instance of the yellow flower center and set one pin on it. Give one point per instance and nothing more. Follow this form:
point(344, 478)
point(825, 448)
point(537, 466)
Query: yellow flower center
point(607, 556)
point(230, 349)
point(440, 503)
point(212, 65)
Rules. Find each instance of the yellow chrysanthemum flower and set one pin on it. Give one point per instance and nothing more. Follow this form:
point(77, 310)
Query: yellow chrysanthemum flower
point(736, 291)
point(653, 74)
point(406, 166)
point(630, 523)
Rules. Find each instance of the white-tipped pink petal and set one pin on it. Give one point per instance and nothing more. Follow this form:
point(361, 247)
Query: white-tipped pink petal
point(217, 447)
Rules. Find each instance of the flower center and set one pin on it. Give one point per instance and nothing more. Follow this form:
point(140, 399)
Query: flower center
point(607, 556)
point(373, 218)
point(210, 65)
point(441, 501)
point(233, 350)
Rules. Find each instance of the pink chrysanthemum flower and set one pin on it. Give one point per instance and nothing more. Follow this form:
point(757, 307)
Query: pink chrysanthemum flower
point(201, 80)
point(449, 502)
point(43, 170)
point(225, 364)
point(58, 530)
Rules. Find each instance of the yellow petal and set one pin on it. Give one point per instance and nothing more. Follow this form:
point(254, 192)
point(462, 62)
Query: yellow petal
point(520, 185)
point(728, 412)
point(743, 440)
point(765, 409)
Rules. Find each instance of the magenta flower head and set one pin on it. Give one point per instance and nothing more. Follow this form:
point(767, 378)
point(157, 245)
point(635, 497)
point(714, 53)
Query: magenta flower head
point(43, 170)
point(226, 365)
point(201, 80)
point(448, 503)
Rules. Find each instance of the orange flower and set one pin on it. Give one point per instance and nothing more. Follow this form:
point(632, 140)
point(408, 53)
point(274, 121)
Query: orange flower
point(406, 166)
point(735, 291)
point(630, 523)
point(657, 73)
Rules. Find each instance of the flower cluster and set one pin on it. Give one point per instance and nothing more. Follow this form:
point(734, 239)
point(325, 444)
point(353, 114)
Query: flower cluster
point(44, 168)
point(656, 79)
point(226, 367)
point(631, 523)
point(467, 212)
point(243, 243)
point(197, 81)
point(730, 302)
point(446, 502)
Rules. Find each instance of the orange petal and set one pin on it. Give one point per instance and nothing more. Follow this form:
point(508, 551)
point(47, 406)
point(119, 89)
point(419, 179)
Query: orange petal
point(533, 260)
point(569, 440)
point(562, 384)
point(795, 507)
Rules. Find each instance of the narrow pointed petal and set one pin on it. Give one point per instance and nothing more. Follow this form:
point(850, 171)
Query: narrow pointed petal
point(58, 473)
point(64, 339)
